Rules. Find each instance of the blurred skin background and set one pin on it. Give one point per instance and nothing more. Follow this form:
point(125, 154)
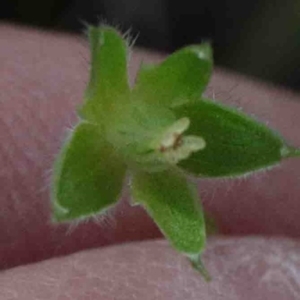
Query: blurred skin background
point(260, 38)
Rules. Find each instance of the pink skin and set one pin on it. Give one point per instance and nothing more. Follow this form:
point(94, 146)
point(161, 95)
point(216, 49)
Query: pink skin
point(42, 78)
point(242, 269)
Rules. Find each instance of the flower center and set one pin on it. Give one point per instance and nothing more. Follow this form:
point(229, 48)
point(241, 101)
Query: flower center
point(175, 146)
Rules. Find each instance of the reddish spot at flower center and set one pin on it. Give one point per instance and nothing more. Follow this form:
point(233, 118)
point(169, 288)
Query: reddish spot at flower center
point(176, 144)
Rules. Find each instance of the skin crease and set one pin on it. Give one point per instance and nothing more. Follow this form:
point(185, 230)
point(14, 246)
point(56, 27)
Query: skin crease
point(42, 79)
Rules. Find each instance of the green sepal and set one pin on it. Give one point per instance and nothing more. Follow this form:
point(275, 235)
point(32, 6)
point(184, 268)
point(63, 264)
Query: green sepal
point(108, 86)
point(88, 176)
point(198, 265)
point(235, 143)
point(183, 76)
point(174, 205)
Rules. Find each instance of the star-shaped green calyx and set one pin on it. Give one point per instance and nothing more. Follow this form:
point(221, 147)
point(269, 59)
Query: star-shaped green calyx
point(157, 132)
